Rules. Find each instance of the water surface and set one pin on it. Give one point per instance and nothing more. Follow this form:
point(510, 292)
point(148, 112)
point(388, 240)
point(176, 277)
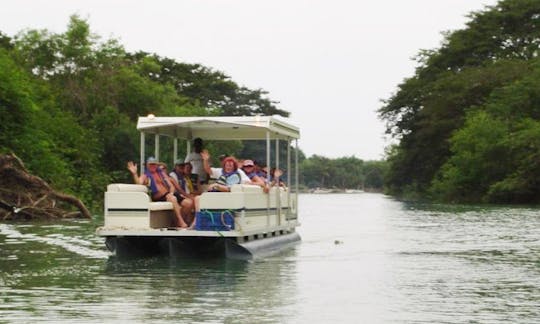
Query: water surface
point(364, 258)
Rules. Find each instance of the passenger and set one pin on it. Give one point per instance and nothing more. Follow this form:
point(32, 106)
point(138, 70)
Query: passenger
point(178, 172)
point(178, 179)
point(226, 176)
point(192, 184)
point(259, 170)
point(263, 173)
point(229, 170)
point(275, 179)
point(222, 156)
point(161, 186)
point(196, 160)
point(249, 169)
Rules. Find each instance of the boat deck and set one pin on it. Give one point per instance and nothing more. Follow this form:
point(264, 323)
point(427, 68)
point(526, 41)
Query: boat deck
point(271, 231)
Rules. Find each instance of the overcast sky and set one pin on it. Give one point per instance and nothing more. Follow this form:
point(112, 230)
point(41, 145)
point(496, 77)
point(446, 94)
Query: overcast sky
point(329, 63)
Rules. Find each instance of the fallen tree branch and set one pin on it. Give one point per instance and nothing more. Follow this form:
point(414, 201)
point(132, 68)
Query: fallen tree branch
point(23, 195)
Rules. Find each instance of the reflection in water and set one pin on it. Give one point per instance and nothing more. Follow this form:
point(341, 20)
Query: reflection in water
point(44, 279)
point(197, 290)
point(395, 263)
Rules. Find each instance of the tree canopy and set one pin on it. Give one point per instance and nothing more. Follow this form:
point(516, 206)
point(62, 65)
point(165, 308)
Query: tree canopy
point(466, 121)
point(69, 103)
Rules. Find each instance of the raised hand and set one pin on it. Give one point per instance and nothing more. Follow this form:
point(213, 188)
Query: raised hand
point(205, 155)
point(132, 167)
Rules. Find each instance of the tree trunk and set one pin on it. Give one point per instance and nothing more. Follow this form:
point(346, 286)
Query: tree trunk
point(23, 195)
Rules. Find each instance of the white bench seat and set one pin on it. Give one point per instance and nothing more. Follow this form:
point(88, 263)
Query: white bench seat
point(160, 205)
point(130, 205)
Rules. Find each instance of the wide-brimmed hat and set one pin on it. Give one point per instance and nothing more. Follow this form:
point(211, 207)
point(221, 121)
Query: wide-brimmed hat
point(152, 160)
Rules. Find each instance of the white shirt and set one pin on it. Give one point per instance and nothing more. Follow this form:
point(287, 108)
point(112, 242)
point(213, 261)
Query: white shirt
point(197, 163)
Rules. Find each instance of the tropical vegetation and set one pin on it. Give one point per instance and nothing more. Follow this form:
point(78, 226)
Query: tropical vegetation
point(468, 121)
point(69, 103)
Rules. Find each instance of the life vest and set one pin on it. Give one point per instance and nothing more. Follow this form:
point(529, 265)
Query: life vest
point(228, 179)
point(181, 180)
point(251, 175)
point(189, 187)
point(152, 183)
point(261, 175)
point(194, 181)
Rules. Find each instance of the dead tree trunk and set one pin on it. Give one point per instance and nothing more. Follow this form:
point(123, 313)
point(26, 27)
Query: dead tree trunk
point(23, 195)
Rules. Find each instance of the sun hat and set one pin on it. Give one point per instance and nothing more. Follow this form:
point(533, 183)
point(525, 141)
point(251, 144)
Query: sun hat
point(152, 160)
point(248, 163)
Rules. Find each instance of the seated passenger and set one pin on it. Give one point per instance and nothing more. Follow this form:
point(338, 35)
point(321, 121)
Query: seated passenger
point(275, 180)
point(178, 172)
point(225, 176)
point(193, 184)
point(177, 177)
point(249, 168)
point(259, 170)
point(160, 185)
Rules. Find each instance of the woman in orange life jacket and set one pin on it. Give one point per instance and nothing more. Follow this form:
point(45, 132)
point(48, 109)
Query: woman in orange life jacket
point(161, 186)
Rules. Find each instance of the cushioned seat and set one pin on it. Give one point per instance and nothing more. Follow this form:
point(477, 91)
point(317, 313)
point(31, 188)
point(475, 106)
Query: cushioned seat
point(160, 205)
point(246, 188)
point(124, 187)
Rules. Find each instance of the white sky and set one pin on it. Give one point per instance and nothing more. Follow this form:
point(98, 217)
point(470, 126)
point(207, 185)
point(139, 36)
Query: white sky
point(329, 63)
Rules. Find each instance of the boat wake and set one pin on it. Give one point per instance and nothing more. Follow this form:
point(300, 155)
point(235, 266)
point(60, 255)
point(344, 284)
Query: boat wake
point(71, 244)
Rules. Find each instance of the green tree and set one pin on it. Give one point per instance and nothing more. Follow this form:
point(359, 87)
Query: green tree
point(492, 53)
point(69, 103)
point(495, 155)
point(209, 88)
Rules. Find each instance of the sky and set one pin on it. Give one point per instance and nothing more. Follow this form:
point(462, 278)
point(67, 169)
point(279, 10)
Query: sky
point(329, 63)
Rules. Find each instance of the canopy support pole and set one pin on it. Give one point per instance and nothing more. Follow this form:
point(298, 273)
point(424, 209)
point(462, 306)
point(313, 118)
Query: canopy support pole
point(141, 156)
point(268, 178)
point(278, 190)
point(156, 146)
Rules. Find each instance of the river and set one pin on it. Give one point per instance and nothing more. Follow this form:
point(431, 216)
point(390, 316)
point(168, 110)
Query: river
point(364, 258)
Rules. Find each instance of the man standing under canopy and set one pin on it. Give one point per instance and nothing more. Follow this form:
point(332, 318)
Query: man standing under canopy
point(195, 158)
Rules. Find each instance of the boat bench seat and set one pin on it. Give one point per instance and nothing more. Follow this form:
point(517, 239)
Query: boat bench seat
point(124, 187)
point(246, 188)
point(160, 205)
point(243, 196)
point(153, 205)
point(130, 205)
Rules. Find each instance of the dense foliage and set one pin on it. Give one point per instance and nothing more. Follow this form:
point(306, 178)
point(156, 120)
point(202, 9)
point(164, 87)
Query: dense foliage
point(468, 120)
point(342, 173)
point(69, 104)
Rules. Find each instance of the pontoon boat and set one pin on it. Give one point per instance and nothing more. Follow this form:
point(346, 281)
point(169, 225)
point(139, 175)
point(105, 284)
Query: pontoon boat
point(243, 223)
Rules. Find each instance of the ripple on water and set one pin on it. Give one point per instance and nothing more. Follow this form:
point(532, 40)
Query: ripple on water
point(397, 263)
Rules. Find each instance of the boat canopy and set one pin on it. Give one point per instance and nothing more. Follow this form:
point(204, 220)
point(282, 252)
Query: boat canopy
point(219, 128)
